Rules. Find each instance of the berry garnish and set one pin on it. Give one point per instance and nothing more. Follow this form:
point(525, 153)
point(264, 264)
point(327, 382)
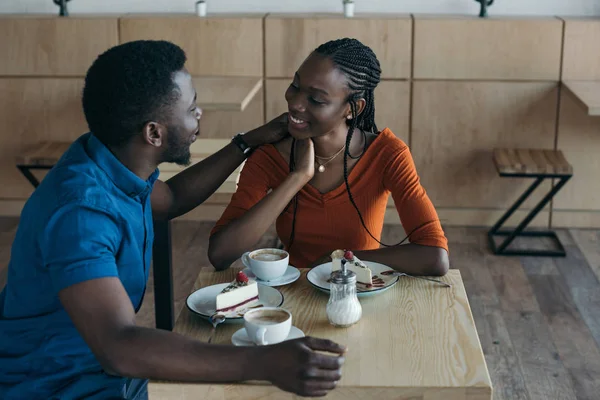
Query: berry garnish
point(348, 255)
point(241, 277)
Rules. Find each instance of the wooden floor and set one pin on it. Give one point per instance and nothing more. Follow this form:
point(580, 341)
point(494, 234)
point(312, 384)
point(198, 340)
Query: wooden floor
point(538, 318)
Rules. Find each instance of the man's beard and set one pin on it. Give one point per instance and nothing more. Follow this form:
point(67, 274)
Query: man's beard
point(178, 149)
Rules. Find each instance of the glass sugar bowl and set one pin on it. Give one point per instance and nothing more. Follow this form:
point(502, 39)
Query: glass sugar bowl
point(343, 307)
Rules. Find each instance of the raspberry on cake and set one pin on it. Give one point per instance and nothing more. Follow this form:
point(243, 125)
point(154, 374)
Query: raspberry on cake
point(363, 273)
point(241, 293)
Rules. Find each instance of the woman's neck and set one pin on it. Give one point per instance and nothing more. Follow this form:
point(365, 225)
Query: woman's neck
point(331, 143)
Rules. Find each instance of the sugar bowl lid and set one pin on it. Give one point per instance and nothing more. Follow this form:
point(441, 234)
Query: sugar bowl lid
point(343, 276)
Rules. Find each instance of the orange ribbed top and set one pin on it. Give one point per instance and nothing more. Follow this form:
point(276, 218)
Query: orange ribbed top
point(325, 222)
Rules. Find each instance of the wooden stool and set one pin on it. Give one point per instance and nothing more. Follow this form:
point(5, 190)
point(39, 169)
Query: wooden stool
point(529, 163)
point(43, 155)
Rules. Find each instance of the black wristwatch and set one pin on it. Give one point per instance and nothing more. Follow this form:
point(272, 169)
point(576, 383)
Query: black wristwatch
point(241, 143)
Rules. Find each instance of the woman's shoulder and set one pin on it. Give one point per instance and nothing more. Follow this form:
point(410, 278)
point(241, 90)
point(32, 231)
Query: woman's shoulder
point(390, 144)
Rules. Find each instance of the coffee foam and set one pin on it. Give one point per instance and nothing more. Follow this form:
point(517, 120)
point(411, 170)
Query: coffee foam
point(267, 255)
point(267, 317)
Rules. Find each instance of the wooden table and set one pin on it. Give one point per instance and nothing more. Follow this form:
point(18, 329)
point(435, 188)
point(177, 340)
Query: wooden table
point(416, 341)
point(586, 94)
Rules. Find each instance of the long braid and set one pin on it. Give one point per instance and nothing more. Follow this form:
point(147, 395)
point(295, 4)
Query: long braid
point(362, 69)
point(363, 72)
point(292, 166)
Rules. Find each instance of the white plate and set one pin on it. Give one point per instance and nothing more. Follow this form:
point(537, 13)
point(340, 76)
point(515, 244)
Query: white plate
point(204, 301)
point(291, 275)
point(319, 278)
point(240, 338)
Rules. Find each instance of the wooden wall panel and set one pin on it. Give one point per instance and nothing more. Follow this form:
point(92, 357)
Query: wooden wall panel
point(226, 124)
point(216, 46)
point(31, 110)
point(581, 59)
point(456, 125)
point(392, 104)
point(52, 46)
point(579, 139)
point(575, 219)
point(474, 48)
point(290, 39)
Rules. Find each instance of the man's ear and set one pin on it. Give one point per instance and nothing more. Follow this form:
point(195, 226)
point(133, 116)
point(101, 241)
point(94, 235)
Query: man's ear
point(154, 134)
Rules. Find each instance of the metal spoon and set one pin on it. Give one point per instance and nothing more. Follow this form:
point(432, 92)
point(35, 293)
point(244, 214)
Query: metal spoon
point(396, 273)
point(215, 320)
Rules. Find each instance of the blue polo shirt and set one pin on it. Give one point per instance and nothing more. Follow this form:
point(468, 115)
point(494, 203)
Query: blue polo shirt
point(90, 218)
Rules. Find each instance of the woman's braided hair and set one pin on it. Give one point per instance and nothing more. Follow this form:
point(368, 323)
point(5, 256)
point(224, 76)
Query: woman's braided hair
point(363, 72)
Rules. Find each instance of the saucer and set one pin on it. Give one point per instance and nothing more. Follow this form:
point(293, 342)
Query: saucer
point(291, 275)
point(240, 338)
point(203, 301)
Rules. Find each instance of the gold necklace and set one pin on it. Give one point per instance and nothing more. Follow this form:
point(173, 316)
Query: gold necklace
point(322, 166)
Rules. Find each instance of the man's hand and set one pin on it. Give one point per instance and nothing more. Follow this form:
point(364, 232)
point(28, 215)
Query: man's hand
point(272, 132)
point(295, 366)
point(190, 188)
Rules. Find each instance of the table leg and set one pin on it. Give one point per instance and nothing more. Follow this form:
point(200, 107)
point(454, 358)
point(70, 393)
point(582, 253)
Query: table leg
point(163, 276)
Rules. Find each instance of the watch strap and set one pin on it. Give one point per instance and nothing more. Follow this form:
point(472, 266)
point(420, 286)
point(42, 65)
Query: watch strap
point(241, 143)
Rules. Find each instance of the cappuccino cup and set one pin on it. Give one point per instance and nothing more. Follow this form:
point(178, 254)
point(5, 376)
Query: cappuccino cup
point(267, 264)
point(267, 325)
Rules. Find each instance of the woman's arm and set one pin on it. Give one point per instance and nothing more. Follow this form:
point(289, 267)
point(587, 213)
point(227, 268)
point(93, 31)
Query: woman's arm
point(427, 252)
point(412, 259)
point(249, 224)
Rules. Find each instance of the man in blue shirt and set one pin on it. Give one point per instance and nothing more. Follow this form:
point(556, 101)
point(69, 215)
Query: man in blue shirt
point(81, 256)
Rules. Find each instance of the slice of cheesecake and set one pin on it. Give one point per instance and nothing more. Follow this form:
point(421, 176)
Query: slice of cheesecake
point(241, 293)
point(363, 273)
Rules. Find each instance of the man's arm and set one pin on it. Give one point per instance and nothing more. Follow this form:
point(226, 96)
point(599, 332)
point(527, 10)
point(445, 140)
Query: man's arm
point(103, 314)
point(190, 188)
point(85, 277)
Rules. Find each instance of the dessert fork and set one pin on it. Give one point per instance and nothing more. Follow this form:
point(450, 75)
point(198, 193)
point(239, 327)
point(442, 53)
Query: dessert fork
point(215, 320)
point(396, 273)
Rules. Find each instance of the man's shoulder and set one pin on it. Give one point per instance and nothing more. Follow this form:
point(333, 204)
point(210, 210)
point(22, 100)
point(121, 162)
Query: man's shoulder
point(71, 187)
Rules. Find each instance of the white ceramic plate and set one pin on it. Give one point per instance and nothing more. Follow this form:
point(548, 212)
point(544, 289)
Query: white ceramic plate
point(240, 338)
point(203, 301)
point(319, 278)
point(291, 275)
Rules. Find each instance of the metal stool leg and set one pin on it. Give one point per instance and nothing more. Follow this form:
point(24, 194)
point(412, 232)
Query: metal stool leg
point(518, 231)
point(26, 171)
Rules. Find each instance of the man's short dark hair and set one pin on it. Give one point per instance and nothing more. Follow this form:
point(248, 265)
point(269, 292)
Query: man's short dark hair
point(129, 85)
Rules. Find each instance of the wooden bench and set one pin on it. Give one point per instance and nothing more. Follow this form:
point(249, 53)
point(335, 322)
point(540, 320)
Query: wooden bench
point(540, 165)
point(43, 155)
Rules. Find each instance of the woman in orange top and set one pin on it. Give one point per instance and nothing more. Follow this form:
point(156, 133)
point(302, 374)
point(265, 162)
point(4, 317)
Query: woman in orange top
point(331, 122)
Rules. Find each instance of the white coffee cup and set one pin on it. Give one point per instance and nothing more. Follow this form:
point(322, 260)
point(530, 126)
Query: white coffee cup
point(267, 325)
point(267, 264)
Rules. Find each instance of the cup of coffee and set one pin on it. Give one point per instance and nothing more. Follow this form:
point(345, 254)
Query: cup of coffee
point(267, 325)
point(267, 264)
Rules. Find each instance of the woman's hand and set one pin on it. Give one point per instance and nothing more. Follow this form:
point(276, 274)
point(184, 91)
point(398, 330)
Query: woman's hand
point(305, 158)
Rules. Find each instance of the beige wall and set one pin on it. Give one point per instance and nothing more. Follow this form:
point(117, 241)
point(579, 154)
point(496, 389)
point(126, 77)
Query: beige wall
point(452, 87)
